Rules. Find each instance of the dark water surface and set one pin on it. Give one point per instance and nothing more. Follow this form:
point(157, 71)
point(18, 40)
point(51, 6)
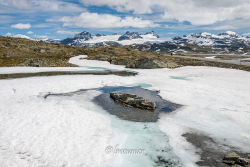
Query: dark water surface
point(125, 112)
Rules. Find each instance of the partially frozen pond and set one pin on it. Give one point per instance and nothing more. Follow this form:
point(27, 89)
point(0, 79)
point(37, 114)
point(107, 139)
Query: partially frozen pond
point(127, 113)
point(147, 137)
point(73, 131)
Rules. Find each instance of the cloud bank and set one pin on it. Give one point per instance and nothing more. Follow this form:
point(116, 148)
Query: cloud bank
point(197, 12)
point(95, 20)
point(26, 6)
point(21, 26)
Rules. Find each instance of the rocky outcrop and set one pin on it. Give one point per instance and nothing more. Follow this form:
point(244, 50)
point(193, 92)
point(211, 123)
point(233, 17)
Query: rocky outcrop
point(7, 55)
point(41, 50)
point(141, 63)
point(147, 63)
point(235, 160)
point(132, 100)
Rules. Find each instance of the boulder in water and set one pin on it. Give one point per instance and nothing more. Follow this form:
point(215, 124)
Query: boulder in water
point(132, 100)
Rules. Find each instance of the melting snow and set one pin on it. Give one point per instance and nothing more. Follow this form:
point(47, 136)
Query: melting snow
point(73, 131)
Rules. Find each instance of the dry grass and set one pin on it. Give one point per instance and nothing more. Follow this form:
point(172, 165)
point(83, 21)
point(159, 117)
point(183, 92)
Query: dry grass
point(24, 52)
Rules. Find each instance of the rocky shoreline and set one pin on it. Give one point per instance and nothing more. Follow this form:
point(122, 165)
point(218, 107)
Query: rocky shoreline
point(214, 154)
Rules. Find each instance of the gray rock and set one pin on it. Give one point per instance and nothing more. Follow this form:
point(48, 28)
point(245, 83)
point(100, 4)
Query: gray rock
point(100, 57)
point(234, 159)
point(41, 50)
point(7, 54)
point(31, 63)
point(133, 101)
point(231, 156)
point(236, 165)
point(147, 63)
point(242, 161)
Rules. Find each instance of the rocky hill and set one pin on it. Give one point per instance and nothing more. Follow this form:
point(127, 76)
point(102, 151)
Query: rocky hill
point(24, 52)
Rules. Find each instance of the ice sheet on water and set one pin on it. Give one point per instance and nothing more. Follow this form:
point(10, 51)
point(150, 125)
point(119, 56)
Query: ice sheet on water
point(129, 135)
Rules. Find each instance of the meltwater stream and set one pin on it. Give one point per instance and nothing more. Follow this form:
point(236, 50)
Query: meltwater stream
point(130, 134)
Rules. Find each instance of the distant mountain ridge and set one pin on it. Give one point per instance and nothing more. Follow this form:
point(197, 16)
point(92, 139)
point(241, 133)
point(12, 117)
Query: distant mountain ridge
point(224, 43)
point(203, 42)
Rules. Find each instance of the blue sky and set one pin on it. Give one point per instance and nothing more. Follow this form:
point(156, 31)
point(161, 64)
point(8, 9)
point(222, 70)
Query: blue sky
point(63, 18)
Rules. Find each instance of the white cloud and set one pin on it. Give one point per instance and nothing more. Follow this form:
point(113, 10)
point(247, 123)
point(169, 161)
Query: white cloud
point(95, 20)
point(20, 4)
point(137, 6)
point(21, 26)
point(66, 32)
point(30, 32)
point(198, 12)
point(11, 6)
point(223, 27)
point(237, 24)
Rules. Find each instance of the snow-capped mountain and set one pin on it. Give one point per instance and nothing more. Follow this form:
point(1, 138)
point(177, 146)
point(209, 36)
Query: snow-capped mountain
point(77, 39)
point(86, 39)
point(130, 35)
point(18, 36)
point(227, 42)
point(208, 39)
point(21, 36)
point(37, 38)
point(153, 34)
